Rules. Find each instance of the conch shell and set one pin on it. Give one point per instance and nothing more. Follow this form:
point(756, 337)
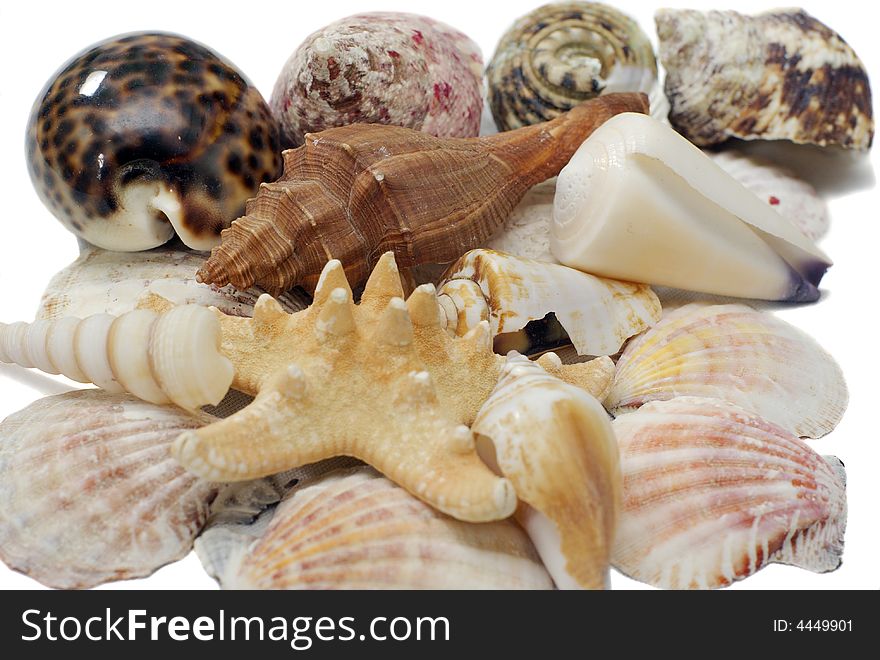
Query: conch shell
point(782, 75)
point(382, 68)
point(555, 444)
point(381, 381)
point(354, 529)
point(352, 193)
point(161, 358)
point(564, 53)
point(533, 306)
point(734, 353)
point(639, 202)
point(712, 493)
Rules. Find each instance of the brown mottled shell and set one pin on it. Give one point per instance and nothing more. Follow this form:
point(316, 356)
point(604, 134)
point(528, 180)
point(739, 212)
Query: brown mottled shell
point(354, 192)
point(382, 68)
point(147, 134)
point(776, 76)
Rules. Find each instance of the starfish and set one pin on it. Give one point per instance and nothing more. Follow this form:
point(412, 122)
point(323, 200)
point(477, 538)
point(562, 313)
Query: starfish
point(380, 381)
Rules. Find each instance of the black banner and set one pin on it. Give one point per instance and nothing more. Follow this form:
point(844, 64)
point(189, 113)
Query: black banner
point(429, 624)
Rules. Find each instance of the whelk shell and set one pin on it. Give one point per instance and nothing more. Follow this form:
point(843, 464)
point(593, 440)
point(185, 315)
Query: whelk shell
point(595, 314)
point(357, 530)
point(782, 75)
point(101, 282)
point(639, 202)
point(356, 191)
point(712, 493)
point(382, 68)
point(555, 444)
point(90, 492)
point(564, 53)
point(738, 354)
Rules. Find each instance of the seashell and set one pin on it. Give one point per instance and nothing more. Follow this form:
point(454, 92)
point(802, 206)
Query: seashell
point(382, 68)
point(526, 232)
point(793, 198)
point(355, 529)
point(638, 202)
point(355, 192)
point(100, 282)
point(555, 444)
point(734, 353)
point(148, 134)
point(161, 358)
point(712, 493)
point(516, 296)
point(782, 75)
point(564, 53)
point(315, 375)
point(90, 493)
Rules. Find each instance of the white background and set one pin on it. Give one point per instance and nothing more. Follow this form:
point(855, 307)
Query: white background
point(37, 37)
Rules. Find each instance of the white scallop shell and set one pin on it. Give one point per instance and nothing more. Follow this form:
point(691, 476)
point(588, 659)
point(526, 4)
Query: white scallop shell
point(357, 530)
point(712, 493)
point(738, 354)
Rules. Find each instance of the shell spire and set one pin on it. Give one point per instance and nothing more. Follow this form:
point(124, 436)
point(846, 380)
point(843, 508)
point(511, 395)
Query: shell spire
point(355, 192)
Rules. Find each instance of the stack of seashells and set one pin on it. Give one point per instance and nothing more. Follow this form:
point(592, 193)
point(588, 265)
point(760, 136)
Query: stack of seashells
point(412, 359)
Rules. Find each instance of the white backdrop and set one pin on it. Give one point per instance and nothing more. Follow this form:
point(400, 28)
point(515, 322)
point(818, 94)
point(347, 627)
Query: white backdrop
point(37, 37)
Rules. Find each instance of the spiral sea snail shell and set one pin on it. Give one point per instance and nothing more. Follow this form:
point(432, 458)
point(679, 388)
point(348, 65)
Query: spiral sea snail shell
point(143, 135)
point(565, 53)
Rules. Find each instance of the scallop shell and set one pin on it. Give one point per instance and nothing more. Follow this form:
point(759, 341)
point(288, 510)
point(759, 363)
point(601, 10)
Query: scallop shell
point(712, 493)
point(782, 75)
point(565, 53)
point(382, 68)
point(357, 530)
point(90, 492)
point(793, 198)
point(147, 134)
point(102, 282)
point(738, 354)
point(555, 444)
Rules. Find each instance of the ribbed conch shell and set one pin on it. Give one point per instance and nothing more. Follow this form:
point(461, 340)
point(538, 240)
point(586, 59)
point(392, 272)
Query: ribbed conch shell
point(793, 198)
point(712, 493)
point(90, 492)
point(738, 354)
point(516, 295)
point(352, 193)
point(114, 282)
point(555, 444)
point(565, 53)
point(357, 530)
point(381, 381)
point(639, 202)
point(782, 75)
point(161, 358)
point(382, 68)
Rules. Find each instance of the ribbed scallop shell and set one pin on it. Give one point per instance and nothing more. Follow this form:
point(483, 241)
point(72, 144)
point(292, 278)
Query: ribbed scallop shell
point(90, 492)
point(357, 530)
point(793, 198)
point(100, 282)
point(738, 354)
point(782, 75)
point(565, 53)
point(712, 493)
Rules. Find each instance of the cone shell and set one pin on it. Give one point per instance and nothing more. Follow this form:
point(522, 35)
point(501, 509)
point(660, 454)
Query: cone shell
point(782, 75)
point(564, 53)
point(555, 444)
point(90, 492)
point(595, 314)
point(526, 232)
point(382, 68)
point(712, 493)
point(738, 354)
point(357, 530)
point(103, 282)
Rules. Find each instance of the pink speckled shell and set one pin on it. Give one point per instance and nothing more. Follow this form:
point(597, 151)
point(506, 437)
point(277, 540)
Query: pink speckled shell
point(381, 68)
